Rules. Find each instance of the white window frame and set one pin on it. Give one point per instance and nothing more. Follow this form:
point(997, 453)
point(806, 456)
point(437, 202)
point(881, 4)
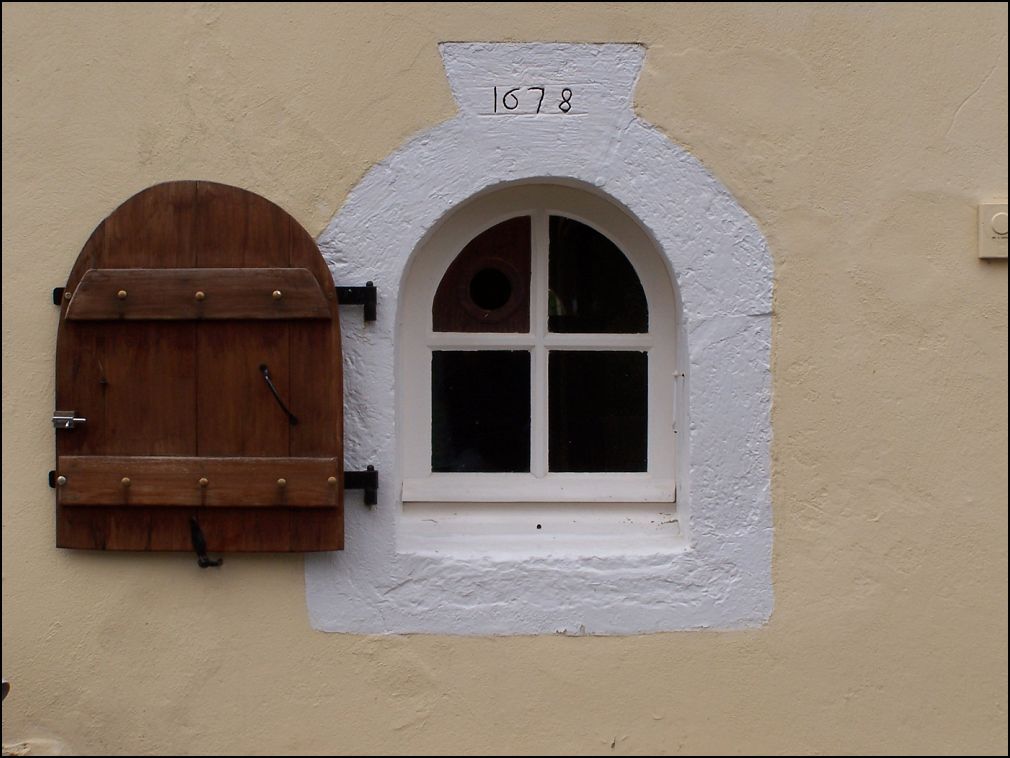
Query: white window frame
point(476, 513)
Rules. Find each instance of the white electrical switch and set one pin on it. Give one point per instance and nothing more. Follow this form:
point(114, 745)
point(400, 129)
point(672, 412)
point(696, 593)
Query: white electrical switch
point(992, 227)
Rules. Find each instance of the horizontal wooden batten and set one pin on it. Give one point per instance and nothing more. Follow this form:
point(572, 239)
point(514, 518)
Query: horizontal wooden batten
point(230, 530)
point(196, 482)
point(197, 293)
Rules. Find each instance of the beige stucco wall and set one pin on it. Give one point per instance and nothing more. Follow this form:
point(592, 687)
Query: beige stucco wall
point(860, 137)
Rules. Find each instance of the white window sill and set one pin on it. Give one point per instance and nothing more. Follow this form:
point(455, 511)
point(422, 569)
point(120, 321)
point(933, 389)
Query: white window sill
point(509, 531)
point(509, 516)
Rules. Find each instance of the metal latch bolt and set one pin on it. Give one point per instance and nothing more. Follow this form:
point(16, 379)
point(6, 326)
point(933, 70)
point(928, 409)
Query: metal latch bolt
point(67, 420)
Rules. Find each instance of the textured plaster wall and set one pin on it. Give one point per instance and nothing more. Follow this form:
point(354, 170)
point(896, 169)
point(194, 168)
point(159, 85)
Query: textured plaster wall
point(859, 137)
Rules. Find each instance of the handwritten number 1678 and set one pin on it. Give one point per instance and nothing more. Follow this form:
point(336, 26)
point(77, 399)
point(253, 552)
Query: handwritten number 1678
point(510, 100)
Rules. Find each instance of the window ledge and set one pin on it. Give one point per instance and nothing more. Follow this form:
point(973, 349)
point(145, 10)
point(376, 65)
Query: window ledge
point(508, 531)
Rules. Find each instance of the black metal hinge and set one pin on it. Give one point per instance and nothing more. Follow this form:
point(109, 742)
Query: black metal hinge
point(365, 296)
point(367, 480)
point(58, 295)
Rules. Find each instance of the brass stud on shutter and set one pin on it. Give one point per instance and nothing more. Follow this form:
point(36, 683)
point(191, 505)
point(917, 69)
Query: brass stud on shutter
point(277, 294)
point(332, 481)
point(61, 480)
point(282, 482)
point(125, 481)
point(200, 295)
point(121, 294)
point(67, 295)
point(203, 481)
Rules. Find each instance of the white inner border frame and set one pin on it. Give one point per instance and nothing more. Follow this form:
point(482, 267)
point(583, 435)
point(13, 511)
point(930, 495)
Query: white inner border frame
point(476, 514)
point(721, 577)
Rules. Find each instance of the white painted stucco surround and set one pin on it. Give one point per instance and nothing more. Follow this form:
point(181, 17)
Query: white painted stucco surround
point(723, 273)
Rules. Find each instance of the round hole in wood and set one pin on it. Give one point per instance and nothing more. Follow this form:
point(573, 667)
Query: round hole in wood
point(490, 289)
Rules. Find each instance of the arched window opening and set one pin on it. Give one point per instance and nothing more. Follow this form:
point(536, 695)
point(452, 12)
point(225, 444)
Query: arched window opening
point(538, 348)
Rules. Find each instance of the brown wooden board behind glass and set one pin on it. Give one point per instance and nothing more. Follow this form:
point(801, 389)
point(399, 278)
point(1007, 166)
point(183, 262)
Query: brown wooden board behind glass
point(181, 421)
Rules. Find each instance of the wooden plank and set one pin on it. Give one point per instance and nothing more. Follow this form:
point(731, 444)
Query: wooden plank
point(235, 228)
point(198, 293)
point(227, 530)
point(238, 413)
point(99, 363)
point(176, 481)
point(316, 380)
point(316, 369)
point(150, 383)
point(80, 377)
point(150, 389)
point(153, 229)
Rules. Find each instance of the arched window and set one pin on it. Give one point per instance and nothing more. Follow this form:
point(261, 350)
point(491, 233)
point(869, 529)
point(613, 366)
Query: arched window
point(538, 370)
point(460, 552)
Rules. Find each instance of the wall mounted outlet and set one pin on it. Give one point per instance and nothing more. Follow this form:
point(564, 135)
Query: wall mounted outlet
point(992, 230)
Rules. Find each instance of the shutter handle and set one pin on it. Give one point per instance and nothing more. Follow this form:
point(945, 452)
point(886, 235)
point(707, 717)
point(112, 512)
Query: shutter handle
point(200, 546)
point(277, 396)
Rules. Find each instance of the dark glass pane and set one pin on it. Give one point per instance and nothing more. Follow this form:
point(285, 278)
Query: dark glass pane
point(593, 287)
point(487, 287)
point(480, 410)
point(598, 411)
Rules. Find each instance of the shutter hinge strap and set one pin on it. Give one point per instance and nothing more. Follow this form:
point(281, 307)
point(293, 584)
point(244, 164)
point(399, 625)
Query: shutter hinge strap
point(365, 296)
point(367, 480)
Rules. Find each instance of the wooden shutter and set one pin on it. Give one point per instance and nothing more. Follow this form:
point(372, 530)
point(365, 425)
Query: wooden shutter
point(175, 305)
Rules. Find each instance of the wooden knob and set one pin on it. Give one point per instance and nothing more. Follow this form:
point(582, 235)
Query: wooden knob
point(277, 294)
point(282, 482)
point(125, 481)
point(332, 481)
point(61, 480)
point(203, 481)
point(200, 295)
point(121, 294)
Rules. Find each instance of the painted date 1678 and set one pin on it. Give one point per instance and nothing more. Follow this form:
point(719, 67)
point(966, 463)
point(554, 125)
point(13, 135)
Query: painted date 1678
point(532, 100)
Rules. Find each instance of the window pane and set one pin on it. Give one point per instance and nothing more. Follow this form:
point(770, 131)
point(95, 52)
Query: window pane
point(487, 287)
point(593, 287)
point(480, 410)
point(598, 411)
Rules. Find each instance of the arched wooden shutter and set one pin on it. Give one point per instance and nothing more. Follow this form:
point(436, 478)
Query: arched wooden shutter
point(199, 338)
